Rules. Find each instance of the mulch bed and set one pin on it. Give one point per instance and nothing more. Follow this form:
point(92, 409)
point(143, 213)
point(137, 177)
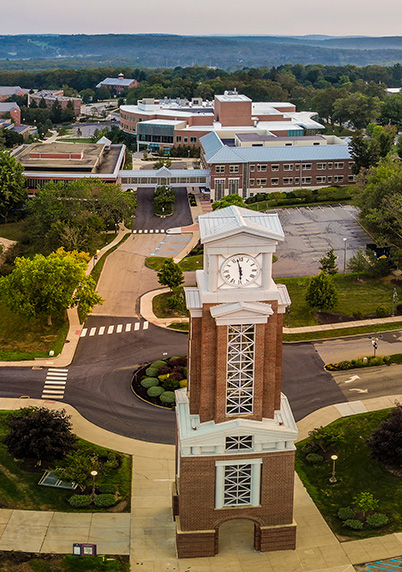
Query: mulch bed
point(332, 318)
point(141, 392)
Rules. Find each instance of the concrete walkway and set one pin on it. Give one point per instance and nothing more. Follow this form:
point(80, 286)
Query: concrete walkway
point(149, 535)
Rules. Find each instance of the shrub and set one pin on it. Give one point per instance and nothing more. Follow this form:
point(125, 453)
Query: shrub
point(183, 383)
point(155, 391)
point(171, 384)
point(164, 369)
point(382, 312)
point(377, 519)
point(105, 500)
point(314, 459)
point(167, 397)
point(386, 441)
point(178, 360)
point(358, 315)
point(108, 489)
point(326, 437)
point(346, 513)
point(177, 374)
point(163, 377)
point(353, 523)
point(149, 382)
point(151, 371)
point(79, 501)
point(158, 363)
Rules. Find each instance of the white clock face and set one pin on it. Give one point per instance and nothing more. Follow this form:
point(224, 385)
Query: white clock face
point(240, 270)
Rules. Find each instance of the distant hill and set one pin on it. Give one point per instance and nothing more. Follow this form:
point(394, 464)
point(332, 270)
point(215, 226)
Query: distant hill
point(226, 52)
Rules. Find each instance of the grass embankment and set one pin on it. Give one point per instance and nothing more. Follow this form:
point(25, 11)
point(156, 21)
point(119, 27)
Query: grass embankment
point(13, 230)
point(161, 309)
point(19, 487)
point(356, 472)
point(22, 339)
point(354, 298)
point(27, 562)
point(187, 264)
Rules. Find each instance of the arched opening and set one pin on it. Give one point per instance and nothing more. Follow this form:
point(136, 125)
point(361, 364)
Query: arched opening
point(236, 535)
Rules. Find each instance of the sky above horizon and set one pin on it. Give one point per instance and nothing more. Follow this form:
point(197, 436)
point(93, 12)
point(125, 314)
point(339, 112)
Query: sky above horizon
point(227, 17)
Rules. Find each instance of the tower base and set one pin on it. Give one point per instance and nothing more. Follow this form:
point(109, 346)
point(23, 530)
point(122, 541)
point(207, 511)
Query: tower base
point(271, 538)
point(195, 543)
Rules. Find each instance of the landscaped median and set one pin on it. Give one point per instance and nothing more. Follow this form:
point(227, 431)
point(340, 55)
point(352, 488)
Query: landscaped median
point(356, 492)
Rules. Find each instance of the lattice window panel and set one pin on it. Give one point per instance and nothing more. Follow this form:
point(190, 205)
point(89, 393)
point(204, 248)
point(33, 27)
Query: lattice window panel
point(239, 443)
point(240, 369)
point(237, 485)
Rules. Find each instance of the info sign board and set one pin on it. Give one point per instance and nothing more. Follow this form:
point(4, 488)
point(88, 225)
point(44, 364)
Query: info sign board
point(84, 549)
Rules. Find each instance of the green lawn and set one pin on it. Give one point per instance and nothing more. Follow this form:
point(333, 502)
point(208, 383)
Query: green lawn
point(13, 230)
point(353, 297)
point(22, 339)
point(19, 487)
point(27, 562)
point(187, 264)
point(161, 310)
point(356, 472)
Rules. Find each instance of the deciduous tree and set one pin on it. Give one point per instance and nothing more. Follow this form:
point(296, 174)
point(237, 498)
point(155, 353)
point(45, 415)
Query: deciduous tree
point(45, 285)
point(170, 274)
point(12, 184)
point(39, 434)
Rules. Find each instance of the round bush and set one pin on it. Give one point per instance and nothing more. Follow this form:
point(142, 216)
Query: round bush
point(382, 312)
point(346, 513)
point(164, 370)
point(353, 523)
point(171, 384)
point(163, 376)
point(79, 501)
point(183, 383)
point(149, 382)
point(314, 459)
point(155, 391)
point(151, 371)
point(157, 364)
point(167, 397)
point(378, 519)
point(105, 500)
point(108, 489)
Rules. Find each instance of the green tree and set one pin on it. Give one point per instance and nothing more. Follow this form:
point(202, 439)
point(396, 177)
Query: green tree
point(358, 263)
point(364, 152)
point(386, 441)
point(170, 274)
point(227, 201)
point(321, 292)
point(39, 434)
point(45, 285)
point(77, 466)
point(391, 111)
point(358, 109)
point(328, 263)
point(12, 184)
point(365, 501)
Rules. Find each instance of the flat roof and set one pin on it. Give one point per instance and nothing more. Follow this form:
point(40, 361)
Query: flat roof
point(94, 159)
point(232, 97)
point(259, 137)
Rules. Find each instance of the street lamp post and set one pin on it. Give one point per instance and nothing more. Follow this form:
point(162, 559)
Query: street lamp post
point(93, 473)
point(332, 478)
point(394, 299)
point(374, 342)
point(345, 248)
point(95, 258)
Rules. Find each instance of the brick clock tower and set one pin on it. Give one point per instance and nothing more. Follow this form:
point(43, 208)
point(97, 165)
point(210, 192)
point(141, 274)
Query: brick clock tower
point(235, 429)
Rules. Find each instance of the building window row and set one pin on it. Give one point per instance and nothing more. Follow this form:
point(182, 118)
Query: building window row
point(298, 166)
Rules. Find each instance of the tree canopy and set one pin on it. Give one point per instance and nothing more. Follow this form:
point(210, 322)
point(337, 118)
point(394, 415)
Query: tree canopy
point(170, 274)
point(45, 285)
point(229, 200)
point(12, 184)
point(74, 215)
point(321, 292)
point(39, 434)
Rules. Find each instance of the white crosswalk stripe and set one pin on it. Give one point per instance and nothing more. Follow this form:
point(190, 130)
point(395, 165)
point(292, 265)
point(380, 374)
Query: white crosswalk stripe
point(149, 231)
point(112, 329)
point(55, 383)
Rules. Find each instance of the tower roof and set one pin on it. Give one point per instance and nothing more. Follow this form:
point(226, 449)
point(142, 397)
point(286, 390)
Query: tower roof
point(233, 220)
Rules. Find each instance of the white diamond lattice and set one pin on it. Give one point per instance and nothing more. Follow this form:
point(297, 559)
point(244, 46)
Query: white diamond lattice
point(237, 485)
point(240, 372)
point(239, 443)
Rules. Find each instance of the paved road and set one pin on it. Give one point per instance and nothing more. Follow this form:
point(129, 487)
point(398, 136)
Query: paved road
point(124, 276)
point(305, 382)
point(353, 347)
point(145, 218)
point(371, 382)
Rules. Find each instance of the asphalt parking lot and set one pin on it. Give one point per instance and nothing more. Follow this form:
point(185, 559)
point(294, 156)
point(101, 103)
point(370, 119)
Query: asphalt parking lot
point(310, 232)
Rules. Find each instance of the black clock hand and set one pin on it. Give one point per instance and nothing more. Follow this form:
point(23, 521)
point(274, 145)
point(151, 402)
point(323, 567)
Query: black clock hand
point(240, 270)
